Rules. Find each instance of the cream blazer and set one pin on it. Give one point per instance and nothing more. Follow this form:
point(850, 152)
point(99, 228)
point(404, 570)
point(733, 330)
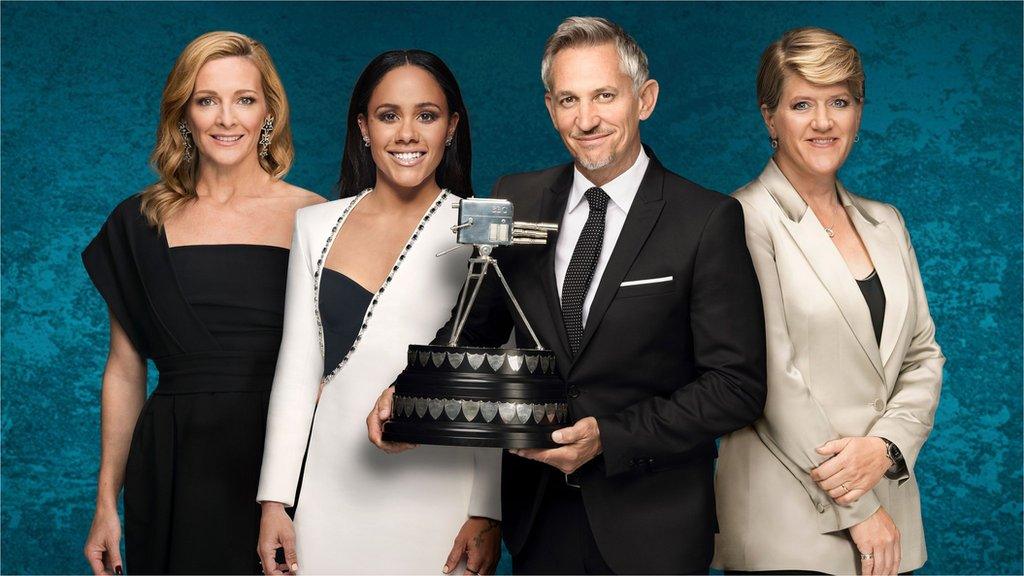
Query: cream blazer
point(827, 378)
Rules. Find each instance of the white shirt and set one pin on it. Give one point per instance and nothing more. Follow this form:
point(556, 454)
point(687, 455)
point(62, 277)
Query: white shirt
point(621, 191)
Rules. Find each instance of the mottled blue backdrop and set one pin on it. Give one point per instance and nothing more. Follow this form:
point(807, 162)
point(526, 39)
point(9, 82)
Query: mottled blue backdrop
point(941, 139)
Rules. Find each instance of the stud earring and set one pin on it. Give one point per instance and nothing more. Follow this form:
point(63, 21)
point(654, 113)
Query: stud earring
point(186, 136)
point(265, 133)
point(775, 143)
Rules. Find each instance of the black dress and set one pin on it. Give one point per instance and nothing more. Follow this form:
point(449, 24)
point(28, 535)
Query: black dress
point(210, 318)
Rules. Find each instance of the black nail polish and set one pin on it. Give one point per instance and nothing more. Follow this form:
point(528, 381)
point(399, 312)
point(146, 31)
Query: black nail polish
point(118, 570)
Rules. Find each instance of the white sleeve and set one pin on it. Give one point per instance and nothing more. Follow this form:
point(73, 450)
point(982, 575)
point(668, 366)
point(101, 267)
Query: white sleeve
point(296, 382)
point(485, 499)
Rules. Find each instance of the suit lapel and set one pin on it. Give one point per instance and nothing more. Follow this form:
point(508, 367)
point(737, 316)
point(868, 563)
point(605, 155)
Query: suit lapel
point(825, 259)
point(640, 220)
point(883, 248)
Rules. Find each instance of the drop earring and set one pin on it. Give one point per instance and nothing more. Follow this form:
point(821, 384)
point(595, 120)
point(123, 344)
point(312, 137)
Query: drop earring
point(775, 143)
point(186, 136)
point(366, 141)
point(265, 133)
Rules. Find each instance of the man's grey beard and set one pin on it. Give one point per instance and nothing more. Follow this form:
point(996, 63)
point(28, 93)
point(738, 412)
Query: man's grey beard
point(597, 165)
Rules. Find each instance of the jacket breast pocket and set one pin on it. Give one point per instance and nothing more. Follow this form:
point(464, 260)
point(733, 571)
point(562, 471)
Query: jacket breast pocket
point(631, 288)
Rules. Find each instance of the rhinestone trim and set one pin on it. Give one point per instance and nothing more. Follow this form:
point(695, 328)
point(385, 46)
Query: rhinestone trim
point(321, 262)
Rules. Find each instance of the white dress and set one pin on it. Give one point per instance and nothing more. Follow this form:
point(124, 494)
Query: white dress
point(362, 510)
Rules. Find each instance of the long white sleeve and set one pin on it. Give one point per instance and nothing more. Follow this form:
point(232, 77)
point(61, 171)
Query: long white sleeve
point(296, 381)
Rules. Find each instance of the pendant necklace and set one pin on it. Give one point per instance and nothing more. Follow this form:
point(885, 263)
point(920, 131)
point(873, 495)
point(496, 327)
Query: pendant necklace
point(830, 229)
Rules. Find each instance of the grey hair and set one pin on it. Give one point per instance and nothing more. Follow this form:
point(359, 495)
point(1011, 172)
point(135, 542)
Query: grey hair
point(593, 31)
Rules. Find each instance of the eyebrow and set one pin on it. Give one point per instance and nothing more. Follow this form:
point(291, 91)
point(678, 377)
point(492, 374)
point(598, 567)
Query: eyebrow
point(390, 106)
point(831, 96)
point(214, 92)
point(600, 90)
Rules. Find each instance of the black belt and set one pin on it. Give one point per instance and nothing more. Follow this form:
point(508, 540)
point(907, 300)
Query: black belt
point(217, 371)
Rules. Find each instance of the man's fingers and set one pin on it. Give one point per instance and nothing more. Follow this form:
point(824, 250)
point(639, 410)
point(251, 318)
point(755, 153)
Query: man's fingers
point(530, 453)
point(455, 556)
point(566, 435)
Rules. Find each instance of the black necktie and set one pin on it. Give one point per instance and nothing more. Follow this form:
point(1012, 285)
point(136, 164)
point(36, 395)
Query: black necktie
point(581, 267)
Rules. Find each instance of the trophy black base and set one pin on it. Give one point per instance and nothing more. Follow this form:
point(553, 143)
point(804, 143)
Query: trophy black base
point(484, 397)
point(467, 434)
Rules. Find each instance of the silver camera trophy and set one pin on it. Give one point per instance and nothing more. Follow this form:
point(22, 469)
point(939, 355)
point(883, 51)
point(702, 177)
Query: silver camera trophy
point(462, 396)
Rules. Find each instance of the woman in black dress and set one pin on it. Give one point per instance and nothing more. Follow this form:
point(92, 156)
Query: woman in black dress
point(193, 272)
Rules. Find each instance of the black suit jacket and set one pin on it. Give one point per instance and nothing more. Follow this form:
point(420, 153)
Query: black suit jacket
point(665, 367)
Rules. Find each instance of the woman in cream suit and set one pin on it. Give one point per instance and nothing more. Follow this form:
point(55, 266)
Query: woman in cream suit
point(363, 284)
point(824, 482)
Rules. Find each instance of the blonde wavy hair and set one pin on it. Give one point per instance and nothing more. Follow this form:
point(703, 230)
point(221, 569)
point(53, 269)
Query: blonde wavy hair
point(817, 55)
point(176, 186)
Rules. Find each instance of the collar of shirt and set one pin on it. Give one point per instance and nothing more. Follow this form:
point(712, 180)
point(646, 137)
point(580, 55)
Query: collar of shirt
point(621, 190)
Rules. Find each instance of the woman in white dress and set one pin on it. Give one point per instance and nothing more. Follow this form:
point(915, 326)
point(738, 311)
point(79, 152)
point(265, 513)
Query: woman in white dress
point(363, 284)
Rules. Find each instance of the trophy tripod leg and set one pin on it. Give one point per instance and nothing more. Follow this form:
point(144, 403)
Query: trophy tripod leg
point(516, 304)
point(463, 314)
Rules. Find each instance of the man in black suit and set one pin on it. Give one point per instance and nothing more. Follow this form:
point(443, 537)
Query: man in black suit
point(650, 302)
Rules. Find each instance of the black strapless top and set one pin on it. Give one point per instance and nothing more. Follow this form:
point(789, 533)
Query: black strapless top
point(343, 304)
point(871, 288)
point(237, 291)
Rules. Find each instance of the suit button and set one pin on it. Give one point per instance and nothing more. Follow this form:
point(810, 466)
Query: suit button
point(878, 404)
point(574, 392)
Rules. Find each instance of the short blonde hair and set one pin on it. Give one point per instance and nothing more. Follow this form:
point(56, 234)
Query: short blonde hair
point(593, 31)
point(177, 179)
point(817, 55)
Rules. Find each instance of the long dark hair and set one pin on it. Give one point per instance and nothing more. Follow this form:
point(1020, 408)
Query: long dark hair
point(358, 171)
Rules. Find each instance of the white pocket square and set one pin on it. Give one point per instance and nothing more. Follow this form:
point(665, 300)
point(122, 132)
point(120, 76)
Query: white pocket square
point(646, 281)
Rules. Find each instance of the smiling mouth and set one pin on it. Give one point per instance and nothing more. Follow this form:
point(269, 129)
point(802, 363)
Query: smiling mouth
point(407, 158)
point(822, 142)
point(226, 139)
point(591, 140)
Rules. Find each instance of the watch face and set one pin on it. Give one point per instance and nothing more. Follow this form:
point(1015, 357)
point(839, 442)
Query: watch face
point(894, 453)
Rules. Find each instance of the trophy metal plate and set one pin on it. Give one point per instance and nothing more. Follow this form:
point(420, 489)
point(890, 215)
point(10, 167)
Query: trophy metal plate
point(464, 396)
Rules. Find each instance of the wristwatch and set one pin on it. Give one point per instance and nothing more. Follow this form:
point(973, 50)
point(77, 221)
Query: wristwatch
point(899, 465)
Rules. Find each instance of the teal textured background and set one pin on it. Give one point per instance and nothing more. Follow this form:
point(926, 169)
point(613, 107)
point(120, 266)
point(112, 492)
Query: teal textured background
point(941, 139)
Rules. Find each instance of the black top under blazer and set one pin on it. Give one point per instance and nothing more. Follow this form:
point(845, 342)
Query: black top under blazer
point(664, 367)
